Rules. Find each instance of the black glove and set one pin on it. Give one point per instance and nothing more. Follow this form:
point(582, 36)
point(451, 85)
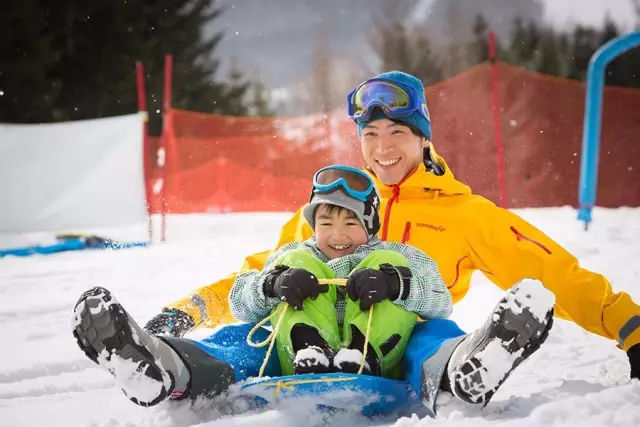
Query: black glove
point(634, 360)
point(292, 285)
point(170, 322)
point(371, 286)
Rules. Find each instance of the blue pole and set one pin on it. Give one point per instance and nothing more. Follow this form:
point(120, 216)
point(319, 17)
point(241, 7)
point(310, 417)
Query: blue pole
point(592, 120)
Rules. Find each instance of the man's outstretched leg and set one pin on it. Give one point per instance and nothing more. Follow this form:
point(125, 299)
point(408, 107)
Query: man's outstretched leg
point(149, 369)
point(516, 328)
point(440, 356)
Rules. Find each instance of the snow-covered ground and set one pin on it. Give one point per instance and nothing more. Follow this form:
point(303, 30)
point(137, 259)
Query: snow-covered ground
point(575, 379)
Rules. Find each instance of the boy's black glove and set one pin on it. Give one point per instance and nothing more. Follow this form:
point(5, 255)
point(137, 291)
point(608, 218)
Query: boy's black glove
point(634, 360)
point(292, 285)
point(371, 286)
point(170, 322)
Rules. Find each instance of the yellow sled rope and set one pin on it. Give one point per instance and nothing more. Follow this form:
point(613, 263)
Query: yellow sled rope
point(271, 339)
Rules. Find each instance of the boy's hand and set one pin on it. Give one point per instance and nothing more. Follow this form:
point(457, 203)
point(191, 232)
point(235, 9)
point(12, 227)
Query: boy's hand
point(371, 286)
point(293, 285)
point(170, 322)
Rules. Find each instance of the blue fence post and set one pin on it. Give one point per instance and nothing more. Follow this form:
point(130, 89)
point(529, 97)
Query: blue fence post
point(588, 184)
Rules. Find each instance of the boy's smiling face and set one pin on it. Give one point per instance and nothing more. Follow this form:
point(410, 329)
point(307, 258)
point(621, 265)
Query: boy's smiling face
point(338, 231)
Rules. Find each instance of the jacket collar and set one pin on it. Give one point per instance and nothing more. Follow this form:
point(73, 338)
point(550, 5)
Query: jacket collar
point(420, 181)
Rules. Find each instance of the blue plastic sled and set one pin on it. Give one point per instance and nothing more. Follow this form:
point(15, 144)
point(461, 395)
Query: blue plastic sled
point(372, 396)
point(71, 242)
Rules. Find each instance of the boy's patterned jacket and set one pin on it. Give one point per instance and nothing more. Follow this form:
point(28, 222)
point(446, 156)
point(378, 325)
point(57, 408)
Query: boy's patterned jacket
point(428, 294)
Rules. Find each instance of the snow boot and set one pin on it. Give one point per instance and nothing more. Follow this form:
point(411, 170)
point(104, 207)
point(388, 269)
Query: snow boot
point(312, 360)
point(147, 368)
point(312, 353)
point(109, 337)
point(349, 359)
point(516, 328)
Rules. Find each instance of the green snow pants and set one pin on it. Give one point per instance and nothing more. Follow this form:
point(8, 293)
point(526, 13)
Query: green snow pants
point(389, 323)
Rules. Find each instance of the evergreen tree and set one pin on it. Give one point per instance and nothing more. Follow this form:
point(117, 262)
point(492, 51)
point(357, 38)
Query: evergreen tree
point(233, 94)
point(260, 101)
point(568, 54)
point(538, 48)
point(625, 69)
point(584, 42)
point(478, 49)
point(408, 50)
point(75, 59)
point(524, 45)
point(614, 71)
point(321, 76)
point(564, 53)
point(392, 47)
point(425, 64)
point(548, 55)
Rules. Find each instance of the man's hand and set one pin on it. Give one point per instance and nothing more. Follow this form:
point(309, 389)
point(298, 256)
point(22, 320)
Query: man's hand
point(170, 322)
point(292, 285)
point(634, 360)
point(371, 286)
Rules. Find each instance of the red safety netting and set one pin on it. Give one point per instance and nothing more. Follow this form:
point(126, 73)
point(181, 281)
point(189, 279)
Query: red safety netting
point(223, 164)
point(541, 118)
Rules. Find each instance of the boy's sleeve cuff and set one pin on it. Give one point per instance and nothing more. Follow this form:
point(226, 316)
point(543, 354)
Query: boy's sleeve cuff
point(404, 275)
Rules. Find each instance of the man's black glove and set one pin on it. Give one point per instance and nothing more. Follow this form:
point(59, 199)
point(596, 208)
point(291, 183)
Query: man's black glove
point(634, 360)
point(371, 286)
point(292, 285)
point(170, 322)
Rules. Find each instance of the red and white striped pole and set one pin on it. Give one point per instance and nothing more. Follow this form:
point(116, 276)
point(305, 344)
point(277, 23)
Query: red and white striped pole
point(496, 120)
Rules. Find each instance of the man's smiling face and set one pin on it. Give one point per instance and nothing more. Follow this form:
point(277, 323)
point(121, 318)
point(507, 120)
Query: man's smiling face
point(391, 150)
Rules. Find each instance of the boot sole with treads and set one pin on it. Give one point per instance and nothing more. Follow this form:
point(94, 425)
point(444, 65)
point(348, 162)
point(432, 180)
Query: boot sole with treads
point(516, 328)
point(109, 337)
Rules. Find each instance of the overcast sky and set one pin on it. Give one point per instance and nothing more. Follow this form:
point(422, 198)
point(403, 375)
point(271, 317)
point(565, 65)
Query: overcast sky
point(277, 38)
point(566, 12)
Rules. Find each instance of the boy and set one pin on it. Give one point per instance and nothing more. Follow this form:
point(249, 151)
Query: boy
point(400, 281)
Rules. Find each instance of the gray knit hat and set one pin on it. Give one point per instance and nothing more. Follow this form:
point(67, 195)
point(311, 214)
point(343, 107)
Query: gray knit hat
point(366, 212)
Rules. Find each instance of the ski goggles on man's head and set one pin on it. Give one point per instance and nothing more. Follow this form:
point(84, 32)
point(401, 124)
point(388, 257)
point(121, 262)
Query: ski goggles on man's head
point(352, 181)
point(395, 100)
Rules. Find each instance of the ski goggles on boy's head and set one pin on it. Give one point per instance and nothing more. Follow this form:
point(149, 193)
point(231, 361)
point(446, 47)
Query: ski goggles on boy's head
point(394, 98)
point(352, 181)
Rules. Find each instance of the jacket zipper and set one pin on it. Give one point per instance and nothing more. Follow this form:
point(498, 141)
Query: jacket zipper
point(394, 198)
point(521, 236)
point(407, 232)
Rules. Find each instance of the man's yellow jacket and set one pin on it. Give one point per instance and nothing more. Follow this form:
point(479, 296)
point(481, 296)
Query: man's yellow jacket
point(463, 233)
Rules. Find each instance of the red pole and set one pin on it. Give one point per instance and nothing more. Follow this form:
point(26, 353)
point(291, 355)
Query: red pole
point(166, 139)
point(146, 150)
point(168, 71)
point(496, 120)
